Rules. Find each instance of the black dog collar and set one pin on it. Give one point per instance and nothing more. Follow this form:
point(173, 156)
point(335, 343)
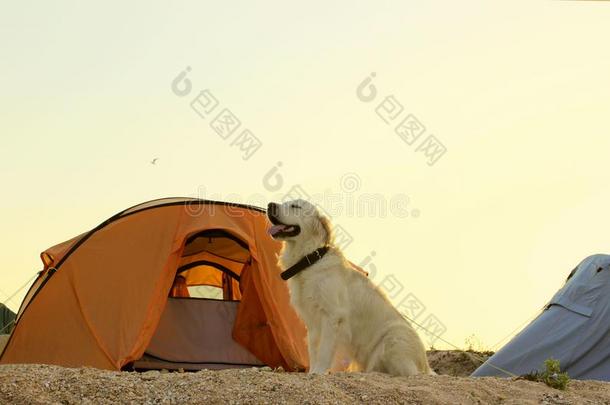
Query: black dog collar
point(304, 263)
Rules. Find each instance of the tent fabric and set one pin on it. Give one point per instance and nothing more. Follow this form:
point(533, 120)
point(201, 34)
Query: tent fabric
point(180, 288)
point(101, 295)
point(198, 332)
point(147, 362)
point(7, 317)
point(573, 328)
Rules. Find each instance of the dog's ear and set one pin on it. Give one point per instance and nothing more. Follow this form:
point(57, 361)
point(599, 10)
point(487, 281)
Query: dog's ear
point(323, 227)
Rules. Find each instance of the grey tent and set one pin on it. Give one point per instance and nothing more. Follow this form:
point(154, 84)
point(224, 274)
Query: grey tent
point(7, 317)
point(573, 328)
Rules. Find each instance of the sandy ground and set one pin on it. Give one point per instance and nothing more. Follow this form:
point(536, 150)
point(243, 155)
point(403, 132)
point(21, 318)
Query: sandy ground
point(39, 384)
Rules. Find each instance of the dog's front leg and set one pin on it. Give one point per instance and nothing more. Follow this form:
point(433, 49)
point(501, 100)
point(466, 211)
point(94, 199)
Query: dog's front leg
point(328, 344)
point(313, 343)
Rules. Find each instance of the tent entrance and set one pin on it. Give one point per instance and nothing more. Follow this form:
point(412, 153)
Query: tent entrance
point(211, 266)
point(220, 285)
point(194, 334)
point(195, 329)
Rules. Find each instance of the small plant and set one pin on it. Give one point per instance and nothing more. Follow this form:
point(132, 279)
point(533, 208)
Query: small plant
point(471, 341)
point(474, 345)
point(551, 376)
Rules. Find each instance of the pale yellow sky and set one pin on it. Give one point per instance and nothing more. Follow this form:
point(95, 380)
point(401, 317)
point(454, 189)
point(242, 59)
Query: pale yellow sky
point(518, 92)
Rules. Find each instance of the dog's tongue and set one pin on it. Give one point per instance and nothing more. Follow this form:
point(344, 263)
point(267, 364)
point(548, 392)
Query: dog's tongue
point(275, 229)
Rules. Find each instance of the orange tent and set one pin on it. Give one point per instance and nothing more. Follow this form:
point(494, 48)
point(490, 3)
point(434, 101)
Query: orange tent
point(104, 298)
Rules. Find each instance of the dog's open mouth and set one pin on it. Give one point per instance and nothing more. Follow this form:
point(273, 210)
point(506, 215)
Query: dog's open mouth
point(281, 230)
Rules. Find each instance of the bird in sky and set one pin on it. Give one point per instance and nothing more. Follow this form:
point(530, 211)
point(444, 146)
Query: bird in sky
point(154, 161)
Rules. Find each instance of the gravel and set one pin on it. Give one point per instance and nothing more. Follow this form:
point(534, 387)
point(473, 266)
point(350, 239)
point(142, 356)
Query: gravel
point(42, 384)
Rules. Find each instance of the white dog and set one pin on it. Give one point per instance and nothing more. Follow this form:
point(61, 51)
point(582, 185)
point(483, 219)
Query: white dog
point(345, 313)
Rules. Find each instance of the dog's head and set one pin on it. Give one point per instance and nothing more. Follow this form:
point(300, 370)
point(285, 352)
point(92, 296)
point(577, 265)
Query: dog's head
point(298, 220)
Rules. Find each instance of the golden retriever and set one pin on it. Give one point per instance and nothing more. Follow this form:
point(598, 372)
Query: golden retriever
point(344, 312)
